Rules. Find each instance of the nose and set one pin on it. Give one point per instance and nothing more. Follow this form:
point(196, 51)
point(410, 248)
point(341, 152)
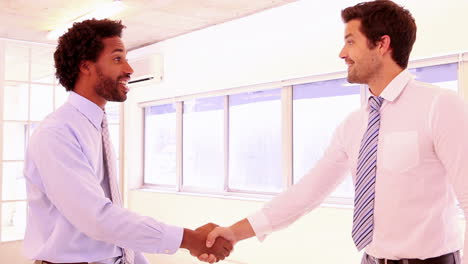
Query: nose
point(343, 53)
point(128, 68)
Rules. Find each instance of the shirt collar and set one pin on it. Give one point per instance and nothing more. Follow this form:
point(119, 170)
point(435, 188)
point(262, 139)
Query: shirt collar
point(396, 86)
point(89, 109)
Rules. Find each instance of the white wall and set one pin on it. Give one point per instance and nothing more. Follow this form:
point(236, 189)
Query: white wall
point(300, 39)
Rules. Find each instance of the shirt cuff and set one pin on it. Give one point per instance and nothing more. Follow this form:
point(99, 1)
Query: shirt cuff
point(173, 239)
point(260, 224)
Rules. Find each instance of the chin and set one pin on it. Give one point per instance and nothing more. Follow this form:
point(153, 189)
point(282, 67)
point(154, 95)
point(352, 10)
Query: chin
point(351, 79)
point(123, 98)
point(120, 98)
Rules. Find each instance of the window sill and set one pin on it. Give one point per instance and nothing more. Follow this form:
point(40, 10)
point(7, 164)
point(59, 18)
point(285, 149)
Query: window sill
point(329, 202)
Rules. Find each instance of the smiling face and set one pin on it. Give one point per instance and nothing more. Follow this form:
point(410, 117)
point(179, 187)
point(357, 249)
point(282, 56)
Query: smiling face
point(112, 71)
point(363, 61)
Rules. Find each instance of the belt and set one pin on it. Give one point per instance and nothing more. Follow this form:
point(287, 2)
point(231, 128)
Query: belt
point(444, 259)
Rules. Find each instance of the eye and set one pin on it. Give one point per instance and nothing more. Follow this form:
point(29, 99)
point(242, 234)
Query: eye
point(349, 42)
point(118, 59)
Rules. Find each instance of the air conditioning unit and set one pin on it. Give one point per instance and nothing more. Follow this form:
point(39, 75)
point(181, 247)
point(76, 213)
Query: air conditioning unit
point(147, 70)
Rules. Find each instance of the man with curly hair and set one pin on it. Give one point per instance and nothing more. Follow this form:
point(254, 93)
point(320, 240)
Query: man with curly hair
point(75, 212)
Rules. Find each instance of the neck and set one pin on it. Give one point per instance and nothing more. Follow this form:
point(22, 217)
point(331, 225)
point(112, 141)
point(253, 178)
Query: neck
point(86, 90)
point(381, 79)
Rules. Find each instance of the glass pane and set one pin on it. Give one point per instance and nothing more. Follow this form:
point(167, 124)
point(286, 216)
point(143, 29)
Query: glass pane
point(451, 85)
point(14, 140)
point(318, 108)
point(255, 141)
point(114, 131)
point(203, 141)
point(42, 64)
point(445, 75)
point(16, 62)
point(41, 101)
point(113, 112)
point(13, 221)
point(61, 96)
point(15, 101)
point(13, 185)
point(160, 144)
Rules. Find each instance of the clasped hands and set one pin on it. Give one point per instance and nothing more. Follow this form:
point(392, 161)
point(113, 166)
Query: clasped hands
point(206, 245)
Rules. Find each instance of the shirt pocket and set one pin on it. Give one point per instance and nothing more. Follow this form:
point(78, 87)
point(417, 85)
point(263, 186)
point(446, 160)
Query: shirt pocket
point(400, 151)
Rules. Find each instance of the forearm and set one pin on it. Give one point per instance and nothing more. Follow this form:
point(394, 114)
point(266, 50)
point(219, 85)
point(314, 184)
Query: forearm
point(140, 233)
point(188, 239)
point(242, 230)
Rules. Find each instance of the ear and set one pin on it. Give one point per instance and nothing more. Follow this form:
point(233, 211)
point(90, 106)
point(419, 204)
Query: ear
point(384, 44)
point(85, 67)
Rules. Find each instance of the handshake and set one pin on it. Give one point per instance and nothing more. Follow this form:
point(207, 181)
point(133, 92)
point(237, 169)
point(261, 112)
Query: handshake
point(209, 242)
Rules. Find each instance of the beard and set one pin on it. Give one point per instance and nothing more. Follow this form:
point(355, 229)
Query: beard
point(108, 88)
point(365, 68)
point(363, 72)
point(354, 76)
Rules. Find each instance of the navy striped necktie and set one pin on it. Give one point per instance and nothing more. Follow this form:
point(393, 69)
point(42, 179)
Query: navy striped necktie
point(363, 219)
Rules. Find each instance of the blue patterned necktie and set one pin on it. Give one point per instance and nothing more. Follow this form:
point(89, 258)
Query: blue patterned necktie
point(110, 173)
point(363, 219)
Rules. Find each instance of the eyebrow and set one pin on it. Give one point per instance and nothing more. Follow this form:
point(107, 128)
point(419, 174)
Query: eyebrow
point(348, 35)
point(117, 50)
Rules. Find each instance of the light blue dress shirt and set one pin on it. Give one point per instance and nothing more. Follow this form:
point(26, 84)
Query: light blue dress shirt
point(70, 216)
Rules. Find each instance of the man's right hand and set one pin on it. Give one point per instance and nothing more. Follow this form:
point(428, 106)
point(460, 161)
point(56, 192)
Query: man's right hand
point(195, 242)
point(221, 232)
point(239, 231)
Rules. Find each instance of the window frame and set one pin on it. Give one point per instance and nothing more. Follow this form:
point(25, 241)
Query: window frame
point(286, 87)
point(286, 90)
point(28, 123)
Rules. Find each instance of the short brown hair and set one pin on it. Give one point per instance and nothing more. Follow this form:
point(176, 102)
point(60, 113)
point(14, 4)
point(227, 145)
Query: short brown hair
point(384, 17)
point(82, 42)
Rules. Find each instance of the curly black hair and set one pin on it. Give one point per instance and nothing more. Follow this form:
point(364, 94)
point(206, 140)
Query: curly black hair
point(82, 42)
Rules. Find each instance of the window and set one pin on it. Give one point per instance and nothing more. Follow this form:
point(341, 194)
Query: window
point(29, 92)
point(318, 108)
point(160, 145)
point(13, 220)
point(444, 75)
point(255, 141)
point(240, 153)
point(234, 143)
point(203, 142)
point(28, 96)
point(113, 119)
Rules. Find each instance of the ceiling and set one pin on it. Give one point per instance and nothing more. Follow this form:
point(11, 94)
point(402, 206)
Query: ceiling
point(147, 21)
